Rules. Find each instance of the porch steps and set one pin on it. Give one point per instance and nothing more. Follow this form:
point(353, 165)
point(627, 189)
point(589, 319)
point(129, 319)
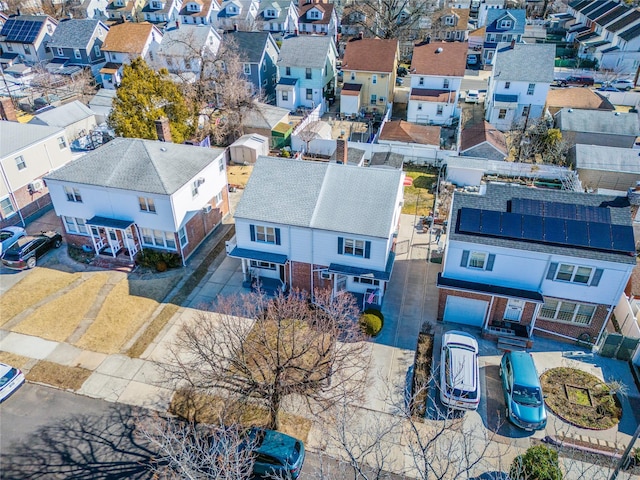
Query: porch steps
point(511, 343)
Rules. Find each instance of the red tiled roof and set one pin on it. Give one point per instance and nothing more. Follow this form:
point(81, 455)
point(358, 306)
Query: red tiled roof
point(370, 55)
point(430, 95)
point(475, 133)
point(447, 59)
point(401, 131)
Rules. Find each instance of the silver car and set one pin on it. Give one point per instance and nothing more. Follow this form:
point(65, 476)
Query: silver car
point(9, 236)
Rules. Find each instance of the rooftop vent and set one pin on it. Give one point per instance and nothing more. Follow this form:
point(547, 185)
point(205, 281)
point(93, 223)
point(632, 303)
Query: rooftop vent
point(439, 50)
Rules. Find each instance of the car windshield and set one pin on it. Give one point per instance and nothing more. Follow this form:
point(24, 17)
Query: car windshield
point(529, 396)
point(8, 377)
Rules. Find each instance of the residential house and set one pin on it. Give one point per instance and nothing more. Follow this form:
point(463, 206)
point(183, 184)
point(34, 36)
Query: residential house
point(605, 168)
point(238, 14)
point(271, 122)
point(278, 16)
point(161, 11)
point(306, 225)
point(199, 12)
point(124, 9)
point(125, 42)
point(91, 9)
point(583, 98)
point(521, 261)
point(519, 83)
point(451, 24)
point(102, 104)
point(409, 141)
point(184, 48)
point(369, 67)
point(355, 19)
point(479, 9)
point(133, 194)
point(78, 42)
point(76, 118)
point(27, 153)
point(259, 53)
point(581, 16)
point(436, 73)
point(25, 37)
point(478, 138)
point(307, 71)
point(598, 127)
point(502, 26)
point(318, 17)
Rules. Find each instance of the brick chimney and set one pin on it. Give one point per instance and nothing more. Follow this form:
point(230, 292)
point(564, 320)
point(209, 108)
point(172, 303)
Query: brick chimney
point(513, 44)
point(7, 111)
point(341, 151)
point(162, 129)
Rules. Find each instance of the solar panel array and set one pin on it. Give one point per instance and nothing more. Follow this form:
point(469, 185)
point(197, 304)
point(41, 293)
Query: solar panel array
point(551, 230)
point(23, 31)
point(568, 211)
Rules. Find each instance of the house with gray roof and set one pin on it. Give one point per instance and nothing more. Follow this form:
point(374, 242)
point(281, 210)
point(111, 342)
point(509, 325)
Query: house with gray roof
point(278, 16)
point(605, 168)
point(519, 83)
point(130, 195)
point(238, 14)
point(501, 25)
point(598, 127)
point(307, 71)
point(184, 48)
point(161, 11)
point(76, 44)
point(199, 12)
point(318, 225)
point(270, 121)
point(27, 153)
point(521, 262)
point(25, 38)
point(76, 118)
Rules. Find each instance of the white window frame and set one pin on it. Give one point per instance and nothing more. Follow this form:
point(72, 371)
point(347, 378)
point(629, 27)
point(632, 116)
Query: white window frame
point(366, 281)
point(477, 260)
point(27, 49)
point(265, 234)
point(576, 315)
point(62, 142)
point(147, 204)
point(507, 85)
point(263, 265)
point(73, 194)
point(502, 116)
point(77, 226)
point(353, 247)
point(374, 79)
point(195, 188)
point(97, 51)
point(21, 164)
point(155, 236)
point(421, 81)
point(525, 110)
point(60, 51)
point(7, 209)
point(308, 74)
point(182, 237)
point(246, 68)
point(531, 88)
point(445, 83)
point(374, 99)
point(353, 76)
point(505, 23)
point(285, 96)
point(76, 53)
point(219, 197)
point(309, 94)
point(568, 273)
point(439, 110)
point(419, 106)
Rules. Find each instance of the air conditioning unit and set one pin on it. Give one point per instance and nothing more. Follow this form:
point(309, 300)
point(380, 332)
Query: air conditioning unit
point(325, 275)
point(207, 208)
point(200, 181)
point(36, 186)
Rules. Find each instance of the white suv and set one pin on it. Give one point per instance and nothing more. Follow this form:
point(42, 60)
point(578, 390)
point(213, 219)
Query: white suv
point(621, 84)
point(459, 371)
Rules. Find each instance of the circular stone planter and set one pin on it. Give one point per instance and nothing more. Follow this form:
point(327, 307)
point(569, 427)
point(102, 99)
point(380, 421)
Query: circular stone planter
point(580, 398)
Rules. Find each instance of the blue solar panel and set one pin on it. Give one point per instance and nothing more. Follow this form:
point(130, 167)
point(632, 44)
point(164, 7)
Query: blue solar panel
point(532, 228)
point(577, 233)
point(555, 230)
point(23, 31)
point(527, 206)
point(568, 211)
point(600, 236)
point(470, 220)
point(622, 236)
point(490, 222)
point(511, 225)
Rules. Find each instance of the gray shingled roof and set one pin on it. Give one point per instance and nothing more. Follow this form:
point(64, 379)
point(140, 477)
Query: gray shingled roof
point(175, 41)
point(608, 159)
point(324, 196)
point(74, 33)
point(524, 62)
point(139, 165)
point(63, 115)
point(304, 51)
point(16, 136)
point(496, 198)
point(597, 121)
point(264, 116)
point(250, 44)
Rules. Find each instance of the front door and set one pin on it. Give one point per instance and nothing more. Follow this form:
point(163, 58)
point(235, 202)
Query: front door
point(513, 312)
point(341, 283)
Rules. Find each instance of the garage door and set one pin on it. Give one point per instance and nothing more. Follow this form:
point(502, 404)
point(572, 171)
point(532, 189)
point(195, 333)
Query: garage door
point(465, 310)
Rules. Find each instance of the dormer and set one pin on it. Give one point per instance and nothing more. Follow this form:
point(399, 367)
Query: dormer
point(193, 7)
point(450, 20)
point(272, 12)
point(506, 22)
point(234, 8)
point(315, 13)
point(157, 4)
point(120, 3)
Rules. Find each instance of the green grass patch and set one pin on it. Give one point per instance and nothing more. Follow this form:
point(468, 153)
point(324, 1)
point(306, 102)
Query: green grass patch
point(418, 198)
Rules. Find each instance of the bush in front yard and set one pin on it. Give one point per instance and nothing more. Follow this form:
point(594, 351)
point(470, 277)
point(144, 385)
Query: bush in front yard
point(159, 260)
point(371, 324)
point(538, 463)
point(375, 312)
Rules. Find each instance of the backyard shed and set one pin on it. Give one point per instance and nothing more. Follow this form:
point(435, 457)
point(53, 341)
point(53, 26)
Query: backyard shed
point(248, 148)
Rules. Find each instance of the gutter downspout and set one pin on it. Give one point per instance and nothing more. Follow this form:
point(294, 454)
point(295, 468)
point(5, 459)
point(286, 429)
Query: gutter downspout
point(610, 311)
point(11, 193)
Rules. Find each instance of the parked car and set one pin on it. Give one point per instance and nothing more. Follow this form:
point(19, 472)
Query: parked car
point(522, 391)
point(9, 236)
point(276, 454)
point(401, 71)
point(28, 249)
point(620, 84)
point(10, 380)
point(580, 80)
point(472, 96)
point(608, 89)
point(399, 81)
point(459, 371)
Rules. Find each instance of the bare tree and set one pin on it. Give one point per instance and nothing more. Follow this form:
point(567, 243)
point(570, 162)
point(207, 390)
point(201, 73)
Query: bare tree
point(269, 349)
point(538, 142)
point(393, 18)
point(309, 133)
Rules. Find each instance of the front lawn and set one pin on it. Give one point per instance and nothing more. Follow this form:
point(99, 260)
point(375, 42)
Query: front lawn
point(418, 198)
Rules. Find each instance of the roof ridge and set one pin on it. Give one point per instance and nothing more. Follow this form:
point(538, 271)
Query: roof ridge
point(152, 161)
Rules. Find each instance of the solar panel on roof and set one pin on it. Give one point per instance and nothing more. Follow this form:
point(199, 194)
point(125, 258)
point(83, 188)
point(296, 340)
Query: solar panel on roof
point(600, 235)
point(622, 238)
point(511, 225)
point(490, 222)
point(577, 233)
point(527, 206)
point(555, 230)
point(532, 228)
point(23, 31)
point(569, 211)
point(470, 220)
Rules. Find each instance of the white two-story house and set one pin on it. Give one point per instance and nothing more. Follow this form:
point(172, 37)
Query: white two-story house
point(133, 194)
point(24, 38)
point(316, 225)
point(318, 17)
point(307, 72)
point(519, 83)
point(436, 72)
point(199, 12)
point(161, 11)
point(238, 14)
point(278, 16)
point(188, 51)
point(523, 260)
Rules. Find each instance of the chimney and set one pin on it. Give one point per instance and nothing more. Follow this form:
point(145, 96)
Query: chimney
point(235, 27)
point(177, 24)
point(360, 35)
point(513, 44)
point(428, 40)
point(163, 130)
point(341, 152)
point(295, 32)
point(7, 111)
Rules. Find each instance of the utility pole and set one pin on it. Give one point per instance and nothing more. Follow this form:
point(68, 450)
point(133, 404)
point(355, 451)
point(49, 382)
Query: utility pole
point(625, 456)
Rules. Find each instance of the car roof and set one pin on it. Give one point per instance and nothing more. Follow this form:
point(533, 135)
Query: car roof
point(276, 444)
point(4, 368)
point(22, 241)
point(459, 337)
point(12, 228)
point(524, 369)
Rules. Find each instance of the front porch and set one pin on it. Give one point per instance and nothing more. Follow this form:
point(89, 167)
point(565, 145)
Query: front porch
point(113, 238)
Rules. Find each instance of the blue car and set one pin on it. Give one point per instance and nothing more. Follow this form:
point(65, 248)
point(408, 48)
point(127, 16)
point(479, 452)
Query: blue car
point(276, 454)
point(522, 391)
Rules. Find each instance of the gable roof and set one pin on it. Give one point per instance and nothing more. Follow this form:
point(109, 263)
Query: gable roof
point(475, 133)
point(630, 33)
point(250, 45)
point(524, 62)
point(325, 8)
point(461, 13)
point(16, 136)
point(168, 6)
point(175, 39)
point(624, 21)
point(496, 14)
point(592, 6)
point(607, 159)
point(130, 37)
point(401, 131)
point(323, 196)
point(578, 4)
point(612, 14)
point(24, 28)
point(305, 51)
point(597, 121)
point(447, 59)
point(140, 165)
point(604, 8)
point(75, 33)
point(64, 115)
point(264, 116)
point(370, 55)
point(576, 98)
point(204, 10)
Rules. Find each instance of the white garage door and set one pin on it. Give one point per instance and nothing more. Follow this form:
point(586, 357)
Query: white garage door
point(465, 310)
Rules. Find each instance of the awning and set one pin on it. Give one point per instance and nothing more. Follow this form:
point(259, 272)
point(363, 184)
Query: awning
point(110, 68)
point(109, 222)
point(508, 292)
point(507, 101)
point(258, 255)
point(365, 272)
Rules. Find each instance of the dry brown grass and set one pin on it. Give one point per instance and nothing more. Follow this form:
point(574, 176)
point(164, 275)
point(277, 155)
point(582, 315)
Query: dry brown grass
point(418, 199)
point(48, 322)
point(14, 360)
point(152, 330)
point(38, 285)
point(58, 376)
point(211, 409)
point(124, 311)
point(239, 174)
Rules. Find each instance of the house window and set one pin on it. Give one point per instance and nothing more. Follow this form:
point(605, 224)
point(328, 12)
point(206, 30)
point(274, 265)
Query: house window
point(247, 69)
point(507, 85)
point(419, 106)
point(572, 312)
point(262, 234)
point(264, 67)
point(6, 207)
point(219, 198)
point(285, 96)
point(439, 110)
point(182, 235)
point(309, 94)
point(195, 185)
point(147, 204)
point(287, 71)
point(531, 88)
point(353, 76)
point(263, 265)
point(374, 79)
point(421, 81)
point(353, 247)
point(76, 225)
point(27, 49)
point(60, 51)
point(221, 164)
point(158, 238)
point(479, 260)
point(574, 273)
point(525, 110)
point(76, 53)
point(62, 143)
point(49, 28)
point(449, 21)
point(9, 47)
point(445, 83)
point(187, 63)
point(366, 281)
point(20, 163)
point(374, 99)
point(73, 194)
point(97, 51)
point(505, 24)
point(307, 73)
point(502, 114)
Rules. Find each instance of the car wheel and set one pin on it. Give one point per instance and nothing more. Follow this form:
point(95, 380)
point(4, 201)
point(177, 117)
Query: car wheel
point(57, 243)
point(31, 262)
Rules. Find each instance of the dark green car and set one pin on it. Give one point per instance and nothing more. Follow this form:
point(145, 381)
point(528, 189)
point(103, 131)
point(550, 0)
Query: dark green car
point(522, 391)
point(276, 454)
